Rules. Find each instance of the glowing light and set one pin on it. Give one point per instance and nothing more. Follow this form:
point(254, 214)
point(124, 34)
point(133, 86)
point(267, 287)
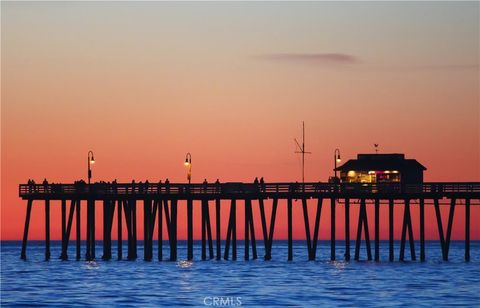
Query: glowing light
point(351, 173)
point(371, 172)
point(187, 164)
point(394, 171)
point(338, 160)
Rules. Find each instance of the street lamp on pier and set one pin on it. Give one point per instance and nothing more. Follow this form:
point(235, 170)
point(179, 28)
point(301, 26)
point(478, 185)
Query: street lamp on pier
point(188, 164)
point(91, 160)
point(336, 159)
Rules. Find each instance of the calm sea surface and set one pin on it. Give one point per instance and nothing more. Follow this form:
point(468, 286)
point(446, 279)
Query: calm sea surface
point(250, 283)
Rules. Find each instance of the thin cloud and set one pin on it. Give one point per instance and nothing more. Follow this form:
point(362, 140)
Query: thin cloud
point(321, 58)
point(447, 67)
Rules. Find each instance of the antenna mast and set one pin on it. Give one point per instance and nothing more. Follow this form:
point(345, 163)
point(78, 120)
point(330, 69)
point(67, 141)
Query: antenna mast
point(301, 149)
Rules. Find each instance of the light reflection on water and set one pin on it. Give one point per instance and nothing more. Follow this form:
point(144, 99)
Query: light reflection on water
point(273, 283)
point(184, 264)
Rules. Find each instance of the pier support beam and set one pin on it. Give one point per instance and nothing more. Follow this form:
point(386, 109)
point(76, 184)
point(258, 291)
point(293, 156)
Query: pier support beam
point(23, 254)
point(467, 229)
point(377, 230)
point(445, 240)
point(134, 227)
point(218, 238)
point(147, 229)
point(160, 230)
point(119, 230)
point(347, 229)
point(249, 231)
point(129, 208)
point(332, 229)
point(206, 231)
point(150, 214)
point(108, 211)
point(307, 228)
point(450, 224)
point(407, 225)
point(290, 234)
point(90, 254)
point(362, 222)
point(173, 230)
point(66, 228)
point(312, 241)
point(422, 230)
point(268, 235)
point(440, 227)
point(190, 229)
point(316, 228)
point(391, 204)
point(231, 232)
point(78, 227)
point(47, 230)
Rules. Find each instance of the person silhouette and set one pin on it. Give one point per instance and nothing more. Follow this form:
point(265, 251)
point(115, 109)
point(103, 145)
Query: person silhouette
point(45, 185)
point(262, 184)
point(205, 185)
point(114, 186)
point(133, 186)
point(159, 186)
point(217, 186)
point(167, 186)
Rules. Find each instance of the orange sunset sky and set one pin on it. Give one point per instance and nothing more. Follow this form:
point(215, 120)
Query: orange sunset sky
point(142, 84)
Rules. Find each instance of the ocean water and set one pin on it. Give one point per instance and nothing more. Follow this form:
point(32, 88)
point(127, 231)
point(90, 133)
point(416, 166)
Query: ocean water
point(248, 283)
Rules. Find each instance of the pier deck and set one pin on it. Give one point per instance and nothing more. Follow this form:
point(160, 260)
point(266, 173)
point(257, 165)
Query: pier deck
point(161, 200)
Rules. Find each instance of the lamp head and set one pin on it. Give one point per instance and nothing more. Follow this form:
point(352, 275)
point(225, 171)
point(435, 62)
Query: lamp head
point(187, 163)
point(91, 160)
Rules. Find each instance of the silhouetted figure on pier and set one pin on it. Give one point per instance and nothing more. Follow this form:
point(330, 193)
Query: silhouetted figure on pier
point(217, 186)
point(205, 185)
point(146, 186)
point(255, 184)
point(45, 185)
point(167, 186)
point(114, 186)
point(262, 184)
point(30, 186)
point(159, 187)
point(133, 186)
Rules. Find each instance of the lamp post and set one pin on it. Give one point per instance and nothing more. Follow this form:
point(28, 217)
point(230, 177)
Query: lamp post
point(91, 160)
point(336, 159)
point(188, 164)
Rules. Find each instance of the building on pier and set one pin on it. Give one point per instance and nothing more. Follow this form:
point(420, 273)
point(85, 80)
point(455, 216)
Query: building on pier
point(382, 168)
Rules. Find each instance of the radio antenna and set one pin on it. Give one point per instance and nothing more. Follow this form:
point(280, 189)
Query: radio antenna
point(301, 150)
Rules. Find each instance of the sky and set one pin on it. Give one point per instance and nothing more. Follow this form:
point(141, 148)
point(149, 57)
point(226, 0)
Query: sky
point(143, 83)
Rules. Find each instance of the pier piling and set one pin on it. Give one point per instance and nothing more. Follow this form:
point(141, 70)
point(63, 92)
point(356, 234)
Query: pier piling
point(347, 229)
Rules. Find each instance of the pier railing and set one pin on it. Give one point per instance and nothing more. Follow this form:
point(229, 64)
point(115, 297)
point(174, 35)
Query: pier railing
point(231, 188)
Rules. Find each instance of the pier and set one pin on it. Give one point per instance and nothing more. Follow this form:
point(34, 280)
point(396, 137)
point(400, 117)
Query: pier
point(162, 201)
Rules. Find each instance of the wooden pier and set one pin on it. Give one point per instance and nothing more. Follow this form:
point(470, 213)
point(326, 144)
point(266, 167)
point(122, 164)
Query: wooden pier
point(161, 204)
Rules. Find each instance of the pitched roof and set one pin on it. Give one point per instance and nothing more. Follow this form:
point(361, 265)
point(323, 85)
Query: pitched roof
point(367, 162)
